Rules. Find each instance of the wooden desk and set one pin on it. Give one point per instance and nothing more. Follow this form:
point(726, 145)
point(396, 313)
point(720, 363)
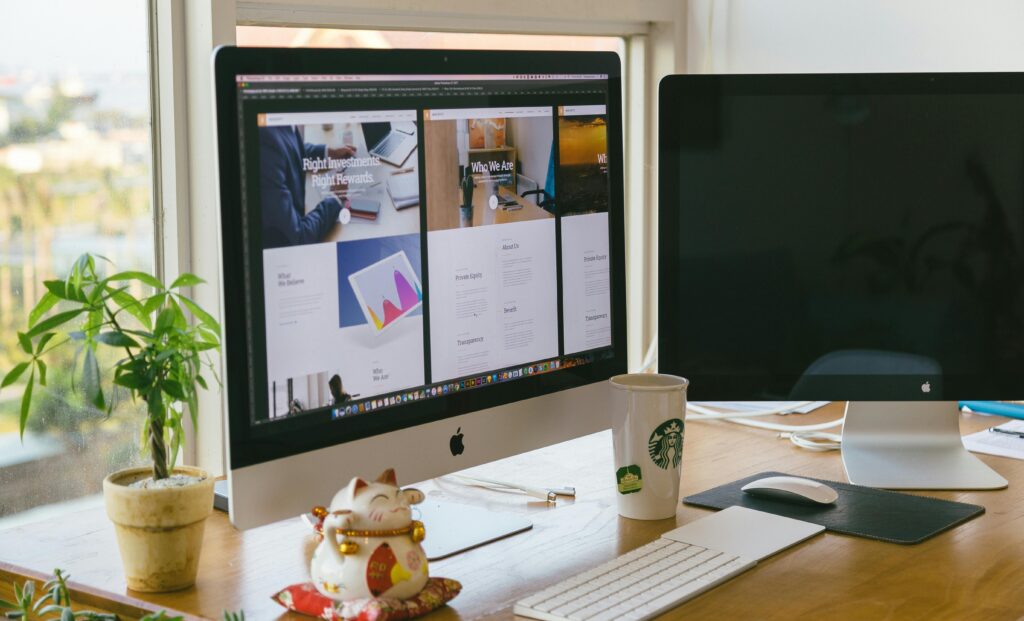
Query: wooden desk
point(523, 211)
point(971, 572)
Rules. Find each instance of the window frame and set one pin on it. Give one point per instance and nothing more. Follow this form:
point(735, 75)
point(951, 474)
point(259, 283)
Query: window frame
point(185, 32)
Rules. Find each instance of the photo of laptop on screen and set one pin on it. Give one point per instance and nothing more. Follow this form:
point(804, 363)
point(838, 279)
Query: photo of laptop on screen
point(392, 142)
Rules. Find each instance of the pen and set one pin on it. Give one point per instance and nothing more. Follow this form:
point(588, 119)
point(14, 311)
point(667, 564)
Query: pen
point(1007, 432)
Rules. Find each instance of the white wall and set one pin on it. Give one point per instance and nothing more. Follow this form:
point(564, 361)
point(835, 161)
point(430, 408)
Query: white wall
point(532, 139)
point(806, 36)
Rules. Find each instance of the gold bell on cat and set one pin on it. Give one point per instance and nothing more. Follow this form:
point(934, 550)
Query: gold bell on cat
point(419, 532)
point(348, 546)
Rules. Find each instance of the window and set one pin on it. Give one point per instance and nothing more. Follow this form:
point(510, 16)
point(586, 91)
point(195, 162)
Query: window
point(269, 36)
point(75, 176)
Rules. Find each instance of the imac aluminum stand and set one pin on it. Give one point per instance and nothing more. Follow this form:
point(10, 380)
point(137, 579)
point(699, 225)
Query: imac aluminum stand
point(910, 445)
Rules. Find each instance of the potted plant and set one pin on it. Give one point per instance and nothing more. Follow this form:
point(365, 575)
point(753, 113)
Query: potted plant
point(159, 511)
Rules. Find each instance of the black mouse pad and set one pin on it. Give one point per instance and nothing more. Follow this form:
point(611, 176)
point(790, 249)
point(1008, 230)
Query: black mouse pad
point(861, 511)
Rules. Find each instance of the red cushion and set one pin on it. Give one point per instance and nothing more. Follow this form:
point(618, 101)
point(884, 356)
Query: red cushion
point(304, 598)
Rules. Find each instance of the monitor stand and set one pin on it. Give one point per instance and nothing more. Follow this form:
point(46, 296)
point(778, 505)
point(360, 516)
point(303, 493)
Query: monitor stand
point(910, 445)
point(451, 527)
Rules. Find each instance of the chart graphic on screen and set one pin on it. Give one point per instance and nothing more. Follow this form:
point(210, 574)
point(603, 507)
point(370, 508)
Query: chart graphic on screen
point(387, 291)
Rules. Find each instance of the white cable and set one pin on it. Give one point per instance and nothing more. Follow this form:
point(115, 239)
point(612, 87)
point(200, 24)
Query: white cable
point(705, 413)
point(815, 440)
point(788, 428)
point(809, 437)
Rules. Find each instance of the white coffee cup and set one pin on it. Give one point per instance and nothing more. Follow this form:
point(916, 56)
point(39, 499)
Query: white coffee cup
point(648, 417)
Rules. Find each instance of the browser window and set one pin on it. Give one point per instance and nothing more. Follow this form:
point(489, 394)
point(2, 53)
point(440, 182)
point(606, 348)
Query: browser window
point(420, 235)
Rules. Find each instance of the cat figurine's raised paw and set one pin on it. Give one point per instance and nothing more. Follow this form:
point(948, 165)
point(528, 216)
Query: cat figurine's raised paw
point(371, 544)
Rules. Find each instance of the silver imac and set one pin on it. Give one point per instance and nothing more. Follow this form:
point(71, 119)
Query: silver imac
point(411, 305)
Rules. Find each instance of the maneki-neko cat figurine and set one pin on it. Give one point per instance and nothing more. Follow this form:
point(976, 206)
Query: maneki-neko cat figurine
point(371, 545)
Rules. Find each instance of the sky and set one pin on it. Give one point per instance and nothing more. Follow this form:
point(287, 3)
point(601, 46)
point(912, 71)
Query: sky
point(73, 36)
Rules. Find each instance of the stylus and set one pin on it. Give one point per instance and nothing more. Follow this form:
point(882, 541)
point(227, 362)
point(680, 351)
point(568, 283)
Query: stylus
point(1010, 410)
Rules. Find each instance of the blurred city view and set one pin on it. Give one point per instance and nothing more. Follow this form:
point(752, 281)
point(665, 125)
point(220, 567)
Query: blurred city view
point(74, 178)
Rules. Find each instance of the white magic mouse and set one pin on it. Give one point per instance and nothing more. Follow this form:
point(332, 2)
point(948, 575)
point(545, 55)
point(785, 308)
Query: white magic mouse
point(792, 489)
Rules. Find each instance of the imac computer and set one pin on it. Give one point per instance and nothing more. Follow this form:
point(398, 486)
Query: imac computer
point(852, 238)
point(423, 262)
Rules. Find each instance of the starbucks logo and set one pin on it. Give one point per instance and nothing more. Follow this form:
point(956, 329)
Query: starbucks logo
point(666, 444)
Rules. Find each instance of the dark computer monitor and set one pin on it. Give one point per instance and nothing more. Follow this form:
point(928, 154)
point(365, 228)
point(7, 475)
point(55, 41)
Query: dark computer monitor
point(847, 237)
point(384, 306)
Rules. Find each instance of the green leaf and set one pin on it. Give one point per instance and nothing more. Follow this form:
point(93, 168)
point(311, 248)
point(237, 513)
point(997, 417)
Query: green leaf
point(164, 355)
point(126, 301)
point(6, 604)
point(45, 303)
point(186, 280)
point(56, 288)
point(25, 342)
point(75, 293)
point(91, 379)
point(94, 322)
point(154, 302)
point(54, 321)
point(165, 320)
point(174, 389)
point(26, 401)
point(42, 371)
point(202, 382)
point(116, 339)
point(176, 435)
point(204, 317)
point(67, 615)
point(142, 277)
point(131, 380)
point(13, 375)
point(43, 340)
point(179, 317)
point(207, 341)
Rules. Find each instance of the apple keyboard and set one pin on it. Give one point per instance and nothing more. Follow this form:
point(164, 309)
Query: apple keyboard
point(670, 570)
point(638, 585)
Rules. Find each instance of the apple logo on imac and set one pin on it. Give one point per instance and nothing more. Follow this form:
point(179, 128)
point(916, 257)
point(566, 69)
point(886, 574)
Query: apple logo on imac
point(926, 387)
point(455, 444)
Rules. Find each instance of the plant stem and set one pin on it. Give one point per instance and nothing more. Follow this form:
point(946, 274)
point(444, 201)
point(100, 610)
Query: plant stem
point(157, 445)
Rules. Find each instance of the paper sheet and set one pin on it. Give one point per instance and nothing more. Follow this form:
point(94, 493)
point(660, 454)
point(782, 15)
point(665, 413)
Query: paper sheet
point(994, 443)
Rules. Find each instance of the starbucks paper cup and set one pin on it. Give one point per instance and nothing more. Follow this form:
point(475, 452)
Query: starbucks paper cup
point(647, 432)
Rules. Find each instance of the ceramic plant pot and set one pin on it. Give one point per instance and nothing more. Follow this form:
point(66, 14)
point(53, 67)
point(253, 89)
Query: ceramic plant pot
point(159, 530)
